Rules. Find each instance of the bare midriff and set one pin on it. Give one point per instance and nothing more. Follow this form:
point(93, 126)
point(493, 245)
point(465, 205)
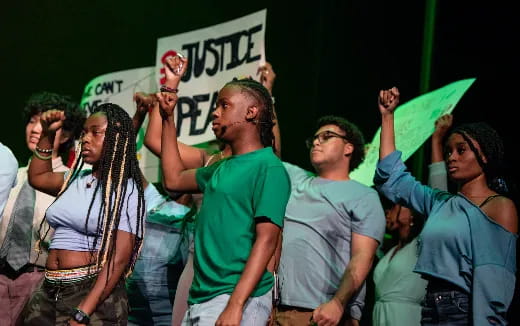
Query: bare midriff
point(67, 259)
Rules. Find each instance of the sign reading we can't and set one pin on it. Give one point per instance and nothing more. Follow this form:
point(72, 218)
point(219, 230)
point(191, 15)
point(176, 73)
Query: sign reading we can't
point(215, 55)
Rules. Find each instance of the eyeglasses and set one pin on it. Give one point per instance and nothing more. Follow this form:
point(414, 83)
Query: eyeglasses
point(323, 137)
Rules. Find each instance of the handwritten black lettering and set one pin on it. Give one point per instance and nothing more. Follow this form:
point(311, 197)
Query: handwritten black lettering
point(91, 106)
point(214, 51)
point(107, 87)
point(189, 108)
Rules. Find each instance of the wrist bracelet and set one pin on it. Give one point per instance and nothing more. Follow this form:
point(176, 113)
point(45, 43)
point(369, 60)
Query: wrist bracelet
point(167, 89)
point(44, 150)
point(41, 157)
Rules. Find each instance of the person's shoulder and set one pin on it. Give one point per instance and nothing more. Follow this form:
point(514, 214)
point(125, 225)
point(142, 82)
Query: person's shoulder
point(6, 154)
point(353, 190)
point(267, 156)
point(360, 187)
point(503, 211)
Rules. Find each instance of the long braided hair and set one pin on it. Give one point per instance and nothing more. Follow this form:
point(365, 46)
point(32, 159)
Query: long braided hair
point(117, 165)
point(266, 118)
point(491, 147)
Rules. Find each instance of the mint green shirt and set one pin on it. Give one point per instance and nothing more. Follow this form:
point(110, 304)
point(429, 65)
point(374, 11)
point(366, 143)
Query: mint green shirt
point(237, 190)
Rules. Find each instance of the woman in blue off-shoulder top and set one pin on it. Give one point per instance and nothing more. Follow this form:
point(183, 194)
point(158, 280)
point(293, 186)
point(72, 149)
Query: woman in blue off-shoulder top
point(467, 247)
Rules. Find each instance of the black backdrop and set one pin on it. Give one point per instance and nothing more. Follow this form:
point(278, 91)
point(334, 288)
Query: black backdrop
point(331, 57)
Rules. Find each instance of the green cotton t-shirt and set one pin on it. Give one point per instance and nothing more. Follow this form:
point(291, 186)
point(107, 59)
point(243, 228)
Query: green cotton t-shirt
point(237, 190)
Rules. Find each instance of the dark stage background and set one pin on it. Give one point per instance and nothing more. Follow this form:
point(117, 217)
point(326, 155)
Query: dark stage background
point(331, 57)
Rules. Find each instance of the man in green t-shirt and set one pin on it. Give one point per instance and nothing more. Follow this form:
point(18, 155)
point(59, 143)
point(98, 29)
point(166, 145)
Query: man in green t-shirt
point(242, 212)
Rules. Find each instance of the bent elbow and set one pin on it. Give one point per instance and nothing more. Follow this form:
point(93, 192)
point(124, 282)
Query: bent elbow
point(170, 185)
point(34, 181)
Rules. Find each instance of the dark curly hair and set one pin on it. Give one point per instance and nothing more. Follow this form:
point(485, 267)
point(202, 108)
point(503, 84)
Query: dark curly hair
point(491, 146)
point(266, 117)
point(353, 135)
point(45, 101)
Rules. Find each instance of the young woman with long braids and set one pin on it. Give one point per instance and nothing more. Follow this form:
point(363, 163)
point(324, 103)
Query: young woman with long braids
point(243, 207)
point(98, 220)
point(467, 247)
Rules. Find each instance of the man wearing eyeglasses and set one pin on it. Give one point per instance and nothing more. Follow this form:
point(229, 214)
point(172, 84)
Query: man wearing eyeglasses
point(332, 228)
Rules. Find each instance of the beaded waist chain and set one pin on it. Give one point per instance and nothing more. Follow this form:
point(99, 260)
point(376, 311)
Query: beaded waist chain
point(72, 275)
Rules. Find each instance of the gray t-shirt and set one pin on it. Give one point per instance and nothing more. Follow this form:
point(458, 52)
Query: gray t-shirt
point(319, 220)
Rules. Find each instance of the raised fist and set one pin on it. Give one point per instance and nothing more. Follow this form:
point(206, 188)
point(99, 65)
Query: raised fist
point(167, 102)
point(174, 68)
point(388, 100)
point(267, 76)
point(51, 121)
point(144, 102)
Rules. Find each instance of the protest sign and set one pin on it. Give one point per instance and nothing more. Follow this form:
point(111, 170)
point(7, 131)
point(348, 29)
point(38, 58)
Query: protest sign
point(414, 123)
point(216, 55)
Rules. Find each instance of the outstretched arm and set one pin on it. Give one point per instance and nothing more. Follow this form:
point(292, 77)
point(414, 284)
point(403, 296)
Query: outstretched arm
point(192, 157)
point(267, 78)
point(437, 174)
point(137, 120)
point(442, 125)
point(176, 175)
point(41, 176)
point(387, 103)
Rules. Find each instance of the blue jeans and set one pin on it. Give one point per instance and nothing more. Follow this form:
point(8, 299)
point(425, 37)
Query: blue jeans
point(446, 308)
point(152, 285)
point(256, 311)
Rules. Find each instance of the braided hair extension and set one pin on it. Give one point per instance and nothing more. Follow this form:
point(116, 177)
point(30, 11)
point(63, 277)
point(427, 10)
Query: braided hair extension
point(117, 165)
point(491, 147)
point(352, 133)
point(266, 116)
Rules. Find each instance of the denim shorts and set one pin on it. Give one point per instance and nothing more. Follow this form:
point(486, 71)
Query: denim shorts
point(256, 311)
